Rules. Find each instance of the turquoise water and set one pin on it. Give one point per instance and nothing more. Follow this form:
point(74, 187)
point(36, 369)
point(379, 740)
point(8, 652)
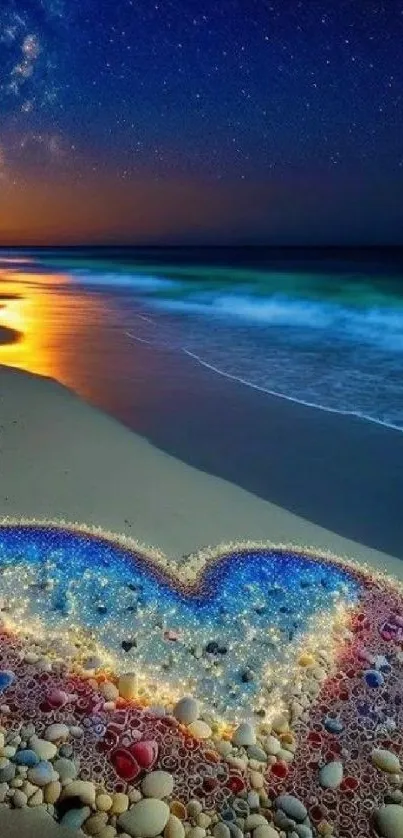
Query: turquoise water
point(325, 330)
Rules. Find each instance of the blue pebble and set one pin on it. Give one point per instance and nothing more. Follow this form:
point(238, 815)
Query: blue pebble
point(333, 725)
point(26, 757)
point(6, 678)
point(374, 678)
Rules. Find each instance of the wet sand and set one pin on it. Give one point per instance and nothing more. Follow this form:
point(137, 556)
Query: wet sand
point(61, 458)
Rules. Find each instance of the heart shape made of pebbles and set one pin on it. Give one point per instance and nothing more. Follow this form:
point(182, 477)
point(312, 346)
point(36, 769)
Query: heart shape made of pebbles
point(226, 625)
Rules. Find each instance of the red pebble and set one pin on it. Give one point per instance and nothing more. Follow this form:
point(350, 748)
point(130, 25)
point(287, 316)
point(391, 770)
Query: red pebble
point(124, 764)
point(317, 813)
point(235, 784)
point(349, 784)
point(315, 738)
point(210, 783)
point(145, 753)
point(279, 769)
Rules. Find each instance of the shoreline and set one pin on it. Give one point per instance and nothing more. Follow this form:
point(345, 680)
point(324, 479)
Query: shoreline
point(63, 459)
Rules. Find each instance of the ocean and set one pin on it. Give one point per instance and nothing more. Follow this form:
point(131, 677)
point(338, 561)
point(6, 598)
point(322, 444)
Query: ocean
point(319, 327)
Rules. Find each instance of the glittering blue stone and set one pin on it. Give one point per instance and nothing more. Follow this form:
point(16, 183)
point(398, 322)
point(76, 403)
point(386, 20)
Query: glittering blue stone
point(334, 725)
point(6, 678)
point(26, 757)
point(374, 678)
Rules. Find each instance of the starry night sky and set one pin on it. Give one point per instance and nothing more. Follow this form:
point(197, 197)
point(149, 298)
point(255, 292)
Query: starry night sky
point(225, 120)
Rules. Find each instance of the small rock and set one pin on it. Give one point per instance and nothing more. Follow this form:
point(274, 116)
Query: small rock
point(157, 784)
point(292, 807)
point(66, 750)
point(6, 679)
point(76, 732)
point(200, 730)
point(193, 808)
point(203, 820)
point(266, 831)
point(75, 818)
point(333, 725)
point(389, 821)
point(254, 752)
point(280, 724)
point(256, 780)
point(385, 761)
point(36, 798)
point(174, 828)
point(374, 678)
point(56, 733)
point(108, 832)
point(7, 770)
point(253, 800)
point(272, 745)
point(19, 799)
point(252, 821)
point(186, 710)
point(331, 775)
point(109, 691)
point(221, 830)
point(146, 819)
point(196, 832)
point(244, 736)
point(52, 791)
point(104, 802)
point(42, 774)
point(303, 831)
point(44, 749)
point(66, 769)
point(95, 823)
point(82, 789)
point(120, 802)
point(26, 757)
point(128, 687)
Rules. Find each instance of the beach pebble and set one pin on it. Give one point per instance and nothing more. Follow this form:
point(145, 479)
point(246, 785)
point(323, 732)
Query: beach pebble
point(331, 775)
point(157, 784)
point(254, 752)
point(235, 830)
point(36, 798)
point(134, 796)
point(333, 725)
point(306, 659)
point(374, 678)
point(272, 745)
point(303, 831)
point(193, 808)
point(66, 769)
point(146, 819)
point(42, 774)
point(43, 748)
point(26, 757)
point(253, 800)
point(75, 818)
point(82, 789)
point(3, 791)
point(19, 799)
point(292, 807)
point(256, 780)
point(56, 733)
point(109, 691)
point(66, 750)
point(108, 832)
point(76, 732)
point(95, 823)
point(103, 802)
point(385, 761)
point(200, 730)
point(244, 735)
point(120, 802)
point(186, 710)
point(265, 831)
point(52, 791)
point(221, 830)
point(7, 770)
point(128, 687)
point(174, 828)
point(280, 724)
point(196, 832)
point(252, 821)
point(6, 679)
point(389, 820)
